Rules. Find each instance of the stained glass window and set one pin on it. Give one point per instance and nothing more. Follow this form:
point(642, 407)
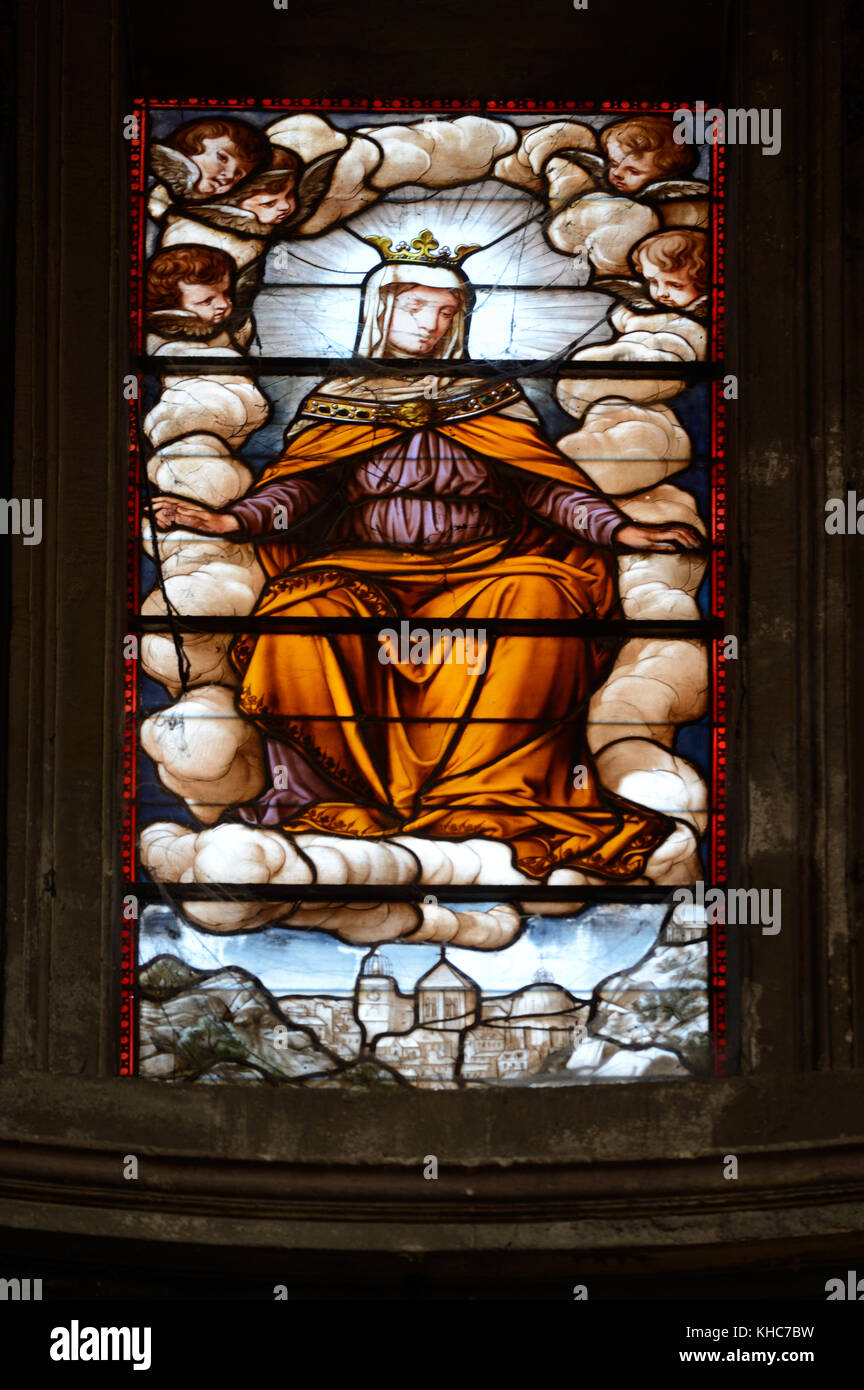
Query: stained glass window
point(426, 514)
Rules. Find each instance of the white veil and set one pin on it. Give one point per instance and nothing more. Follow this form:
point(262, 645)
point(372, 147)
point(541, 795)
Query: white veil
point(377, 310)
point(375, 317)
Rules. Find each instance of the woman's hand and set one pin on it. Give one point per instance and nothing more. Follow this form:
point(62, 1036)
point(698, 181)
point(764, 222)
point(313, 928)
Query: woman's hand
point(673, 536)
point(175, 511)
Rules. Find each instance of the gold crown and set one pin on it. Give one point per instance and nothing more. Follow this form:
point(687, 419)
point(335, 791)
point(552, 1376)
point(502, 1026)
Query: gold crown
point(421, 250)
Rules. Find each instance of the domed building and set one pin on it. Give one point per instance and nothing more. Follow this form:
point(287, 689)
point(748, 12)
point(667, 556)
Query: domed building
point(447, 1030)
point(541, 997)
point(379, 1006)
point(446, 997)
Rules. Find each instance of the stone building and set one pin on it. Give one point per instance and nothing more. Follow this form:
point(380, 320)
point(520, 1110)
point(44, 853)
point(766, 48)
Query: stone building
point(379, 1005)
point(448, 1029)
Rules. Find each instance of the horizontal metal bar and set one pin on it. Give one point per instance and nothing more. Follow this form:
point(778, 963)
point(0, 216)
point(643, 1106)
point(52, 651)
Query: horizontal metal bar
point(502, 369)
point(150, 798)
point(577, 717)
point(375, 893)
point(695, 628)
point(486, 288)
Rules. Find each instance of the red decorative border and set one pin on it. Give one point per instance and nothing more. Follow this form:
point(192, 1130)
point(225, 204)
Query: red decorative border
point(128, 933)
point(129, 866)
point(718, 850)
point(405, 106)
point(137, 224)
point(718, 234)
point(718, 608)
point(138, 184)
point(718, 986)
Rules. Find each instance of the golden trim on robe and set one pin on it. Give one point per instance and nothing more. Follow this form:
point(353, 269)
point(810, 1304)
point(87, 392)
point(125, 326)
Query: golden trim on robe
point(410, 414)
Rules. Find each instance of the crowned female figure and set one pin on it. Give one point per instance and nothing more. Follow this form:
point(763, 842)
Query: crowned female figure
point(428, 505)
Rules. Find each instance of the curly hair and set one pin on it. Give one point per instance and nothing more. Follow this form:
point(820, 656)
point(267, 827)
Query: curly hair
point(200, 265)
point(652, 135)
point(281, 173)
point(679, 248)
point(251, 145)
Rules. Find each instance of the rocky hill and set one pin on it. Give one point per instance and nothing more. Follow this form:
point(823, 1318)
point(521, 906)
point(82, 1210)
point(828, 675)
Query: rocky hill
point(218, 1025)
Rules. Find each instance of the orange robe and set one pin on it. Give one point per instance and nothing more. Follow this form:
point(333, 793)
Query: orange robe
point(433, 749)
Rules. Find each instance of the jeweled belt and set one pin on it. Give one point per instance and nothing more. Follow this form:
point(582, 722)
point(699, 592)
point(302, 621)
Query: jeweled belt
point(411, 414)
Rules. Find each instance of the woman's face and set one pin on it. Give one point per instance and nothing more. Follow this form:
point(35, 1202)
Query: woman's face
point(421, 318)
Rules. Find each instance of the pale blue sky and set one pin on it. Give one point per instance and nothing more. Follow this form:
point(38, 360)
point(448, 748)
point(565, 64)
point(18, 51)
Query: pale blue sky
point(577, 951)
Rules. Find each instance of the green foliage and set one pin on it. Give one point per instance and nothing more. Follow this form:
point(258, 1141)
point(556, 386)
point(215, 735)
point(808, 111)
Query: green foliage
point(211, 1040)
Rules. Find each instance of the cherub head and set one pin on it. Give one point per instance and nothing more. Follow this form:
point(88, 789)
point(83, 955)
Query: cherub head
point(195, 279)
point(223, 149)
point(271, 196)
point(674, 266)
point(643, 149)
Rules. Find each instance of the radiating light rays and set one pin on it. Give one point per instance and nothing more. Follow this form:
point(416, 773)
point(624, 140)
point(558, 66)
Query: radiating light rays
point(306, 322)
point(520, 251)
point(538, 324)
point(312, 296)
point(336, 258)
point(505, 322)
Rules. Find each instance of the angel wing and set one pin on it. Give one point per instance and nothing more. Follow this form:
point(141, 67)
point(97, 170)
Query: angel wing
point(670, 190)
point(173, 168)
point(311, 188)
point(230, 219)
point(246, 286)
point(593, 164)
point(629, 292)
point(699, 309)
